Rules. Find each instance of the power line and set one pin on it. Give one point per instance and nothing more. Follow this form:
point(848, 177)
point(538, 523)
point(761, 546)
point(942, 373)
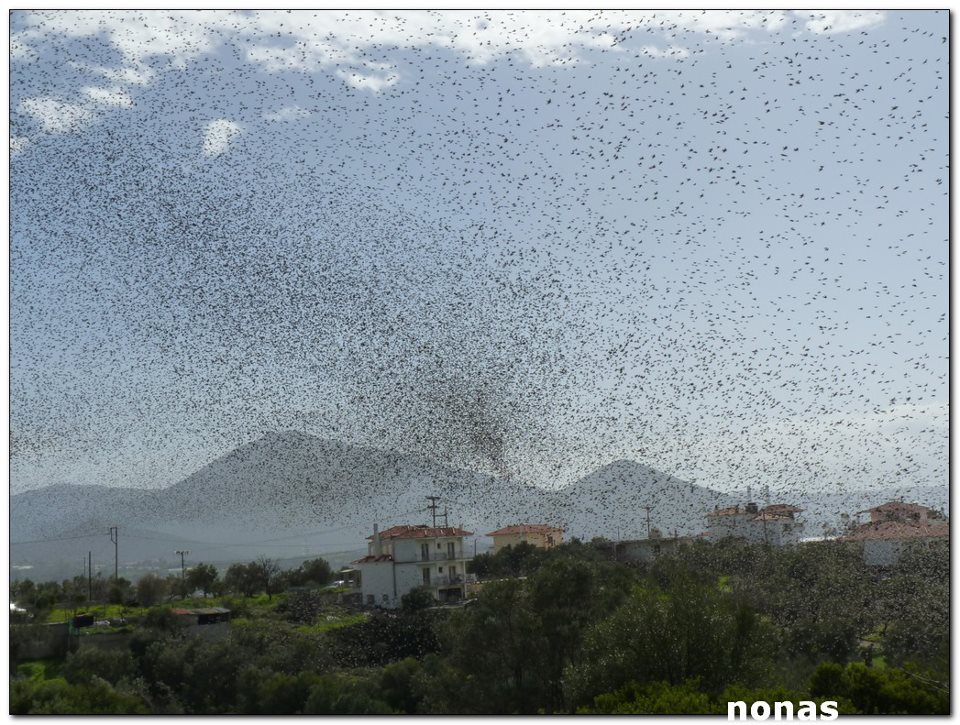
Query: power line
point(60, 538)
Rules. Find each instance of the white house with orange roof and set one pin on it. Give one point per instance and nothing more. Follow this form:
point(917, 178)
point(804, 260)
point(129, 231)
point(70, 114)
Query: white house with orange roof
point(776, 524)
point(542, 536)
point(403, 558)
point(894, 526)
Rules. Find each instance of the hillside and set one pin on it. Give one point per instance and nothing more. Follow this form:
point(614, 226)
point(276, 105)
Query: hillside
point(289, 494)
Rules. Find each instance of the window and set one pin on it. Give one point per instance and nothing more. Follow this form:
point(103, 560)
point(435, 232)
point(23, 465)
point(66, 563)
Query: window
point(424, 552)
point(451, 550)
point(440, 569)
point(385, 599)
point(426, 577)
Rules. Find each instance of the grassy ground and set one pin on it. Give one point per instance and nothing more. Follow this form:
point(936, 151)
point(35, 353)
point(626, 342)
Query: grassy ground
point(329, 622)
point(259, 604)
point(99, 611)
point(39, 670)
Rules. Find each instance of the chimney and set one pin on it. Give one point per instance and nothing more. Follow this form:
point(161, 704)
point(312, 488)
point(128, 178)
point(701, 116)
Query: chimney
point(377, 549)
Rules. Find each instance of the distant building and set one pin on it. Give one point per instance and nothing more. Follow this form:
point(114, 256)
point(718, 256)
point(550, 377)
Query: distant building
point(893, 527)
point(776, 524)
point(404, 558)
point(540, 535)
point(648, 550)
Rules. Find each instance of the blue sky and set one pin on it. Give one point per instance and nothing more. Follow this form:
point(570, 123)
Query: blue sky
point(523, 242)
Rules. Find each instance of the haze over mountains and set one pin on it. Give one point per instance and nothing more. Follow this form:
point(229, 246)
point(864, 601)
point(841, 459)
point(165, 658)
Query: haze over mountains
point(289, 494)
point(327, 495)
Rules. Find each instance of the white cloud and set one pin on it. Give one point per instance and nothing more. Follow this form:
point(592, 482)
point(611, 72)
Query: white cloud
point(134, 75)
point(282, 40)
point(19, 49)
point(218, 135)
point(376, 77)
point(18, 144)
point(841, 21)
point(673, 51)
point(287, 113)
point(355, 44)
point(109, 96)
point(55, 115)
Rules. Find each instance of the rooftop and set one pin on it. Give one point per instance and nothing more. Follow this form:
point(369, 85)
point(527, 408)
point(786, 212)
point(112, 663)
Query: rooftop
point(898, 507)
point(897, 530)
point(771, 512)
point(421, 531)
point(526, 529)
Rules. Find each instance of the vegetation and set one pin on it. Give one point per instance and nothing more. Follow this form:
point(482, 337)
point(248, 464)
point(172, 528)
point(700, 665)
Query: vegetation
point(568, 630)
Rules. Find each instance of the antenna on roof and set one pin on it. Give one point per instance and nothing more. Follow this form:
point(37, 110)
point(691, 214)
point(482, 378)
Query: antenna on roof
point(433, 508)
point(445, 524)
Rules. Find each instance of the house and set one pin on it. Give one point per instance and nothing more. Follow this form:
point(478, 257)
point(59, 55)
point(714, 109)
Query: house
point(540, 535)
point(403, 558)
point(776, 524)
point(908, 513)
point(895, 526)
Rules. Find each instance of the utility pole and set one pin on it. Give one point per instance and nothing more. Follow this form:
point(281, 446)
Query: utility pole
point(445, 523)
point(115, 538)
point(433, 508)
point(89, 576)
point(648, 507)
point(183, 570)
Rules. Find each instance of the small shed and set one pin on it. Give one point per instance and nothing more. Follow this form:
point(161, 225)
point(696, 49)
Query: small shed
point(202, 616)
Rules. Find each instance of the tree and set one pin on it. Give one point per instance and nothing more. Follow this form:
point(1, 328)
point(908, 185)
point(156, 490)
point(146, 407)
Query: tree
point(266, 572)
point(654, 698)
point(74, 593)
point(417, 599)
point(316, 571)
point(202, 577)
point(887, 691)
point(242, 579)
point(120, 591)
point(151, 590)
point(672, 634)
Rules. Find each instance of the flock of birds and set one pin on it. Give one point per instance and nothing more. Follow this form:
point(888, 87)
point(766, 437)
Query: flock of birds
point(723, 255)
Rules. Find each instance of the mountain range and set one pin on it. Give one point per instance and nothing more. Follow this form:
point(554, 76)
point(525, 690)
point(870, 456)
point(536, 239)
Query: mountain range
point(295, 493)
point(291, 494)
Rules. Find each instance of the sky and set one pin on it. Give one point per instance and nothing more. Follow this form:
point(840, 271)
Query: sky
point(528, 243)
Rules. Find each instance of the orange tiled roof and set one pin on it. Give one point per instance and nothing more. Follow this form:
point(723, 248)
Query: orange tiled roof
point(781, 508)
point(898, 506)
point(526, 529)
point(731, 511)
point(373, 559)
point(895, 530)
point(421, 532)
